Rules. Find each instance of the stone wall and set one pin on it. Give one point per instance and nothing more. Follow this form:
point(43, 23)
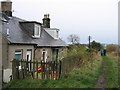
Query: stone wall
point(49, 53)
point(4, 52)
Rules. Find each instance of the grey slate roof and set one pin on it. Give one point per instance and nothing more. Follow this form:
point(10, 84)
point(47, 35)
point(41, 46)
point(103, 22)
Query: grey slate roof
point(18, 36)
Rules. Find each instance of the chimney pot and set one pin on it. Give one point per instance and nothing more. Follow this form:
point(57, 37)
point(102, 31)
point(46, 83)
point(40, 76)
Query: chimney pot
point(45, 15)
point(48, 15)
point(6, 7)
point(46, 21)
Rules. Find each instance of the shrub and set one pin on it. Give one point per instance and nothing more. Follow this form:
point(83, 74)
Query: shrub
point(111, 48)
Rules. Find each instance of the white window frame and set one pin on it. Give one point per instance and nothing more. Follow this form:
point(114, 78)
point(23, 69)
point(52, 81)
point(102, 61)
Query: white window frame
point(44, 51)
point(21, 53)
point(29, 53)
point(35, 30)
point(18, 52)
point(8, 31)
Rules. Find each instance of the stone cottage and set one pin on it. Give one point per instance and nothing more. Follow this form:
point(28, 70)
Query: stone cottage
point(29, 40)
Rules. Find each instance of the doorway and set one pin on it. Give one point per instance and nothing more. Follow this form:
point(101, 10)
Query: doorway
point(44, 55)
point(29, 58)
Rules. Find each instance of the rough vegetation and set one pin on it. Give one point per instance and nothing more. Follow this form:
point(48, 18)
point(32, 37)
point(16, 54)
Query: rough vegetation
point(84, 77)
point(82, 66)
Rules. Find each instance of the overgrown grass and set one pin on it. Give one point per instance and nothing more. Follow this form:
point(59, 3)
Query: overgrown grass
point(84, 77)
point(82, 53)
point(111, 74)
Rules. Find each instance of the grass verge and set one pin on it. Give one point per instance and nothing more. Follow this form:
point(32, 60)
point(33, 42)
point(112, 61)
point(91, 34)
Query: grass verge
point(84, 77)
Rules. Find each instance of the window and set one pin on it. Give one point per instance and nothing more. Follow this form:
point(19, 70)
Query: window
point(18, 54)
point(29, 55)
point(28, 58)
point(37, 30)
point(8, 31)
point(44, 55)
point(55, 54)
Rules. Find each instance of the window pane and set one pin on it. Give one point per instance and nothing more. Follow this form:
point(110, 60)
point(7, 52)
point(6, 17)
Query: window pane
point(37, 30)
point(18, 54)
point(17, 50)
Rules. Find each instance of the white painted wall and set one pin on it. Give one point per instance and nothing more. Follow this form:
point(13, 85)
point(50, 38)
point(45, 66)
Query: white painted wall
point(7, 74)
point(53, 32)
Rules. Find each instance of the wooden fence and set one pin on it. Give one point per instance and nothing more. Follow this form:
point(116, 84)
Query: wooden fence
point(44, 70)
point(34, 69)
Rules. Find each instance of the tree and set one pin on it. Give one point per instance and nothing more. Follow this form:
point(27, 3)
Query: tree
point(111, 48)
point(96, 45)
point(73, 38)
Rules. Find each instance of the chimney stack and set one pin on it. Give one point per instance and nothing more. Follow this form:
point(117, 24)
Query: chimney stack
point(46, 21)
point(6, 7)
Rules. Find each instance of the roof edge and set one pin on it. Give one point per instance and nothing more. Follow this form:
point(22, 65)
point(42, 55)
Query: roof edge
point(31, 22)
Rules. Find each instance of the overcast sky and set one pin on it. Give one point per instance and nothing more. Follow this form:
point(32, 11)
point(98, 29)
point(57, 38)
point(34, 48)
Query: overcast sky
point(97, 18)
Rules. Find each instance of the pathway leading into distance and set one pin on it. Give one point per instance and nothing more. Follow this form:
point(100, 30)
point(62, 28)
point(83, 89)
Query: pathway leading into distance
point(105, 69)
point(101, 80)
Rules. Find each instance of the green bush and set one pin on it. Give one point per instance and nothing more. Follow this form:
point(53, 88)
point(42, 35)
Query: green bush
point(112, 48)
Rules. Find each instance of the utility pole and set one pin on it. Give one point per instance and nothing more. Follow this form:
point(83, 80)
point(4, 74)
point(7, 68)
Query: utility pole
point(89, 38)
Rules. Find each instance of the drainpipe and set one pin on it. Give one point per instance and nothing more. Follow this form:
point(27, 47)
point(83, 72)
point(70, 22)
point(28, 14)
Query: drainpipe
point(35, 48)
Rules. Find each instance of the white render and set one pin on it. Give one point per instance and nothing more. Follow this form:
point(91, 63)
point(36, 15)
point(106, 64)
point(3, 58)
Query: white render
point(53, 32)
point(7, 74)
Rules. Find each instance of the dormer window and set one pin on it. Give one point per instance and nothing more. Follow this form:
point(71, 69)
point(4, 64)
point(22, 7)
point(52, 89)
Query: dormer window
point(57, 35)
point(37, 30)
point(53, 32)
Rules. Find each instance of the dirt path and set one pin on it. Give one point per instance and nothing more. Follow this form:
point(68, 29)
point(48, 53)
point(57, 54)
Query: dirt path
point(101, 80)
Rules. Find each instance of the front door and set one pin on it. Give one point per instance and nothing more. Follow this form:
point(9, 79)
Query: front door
point(55, 54)
point(28, 58)
point(44, 55)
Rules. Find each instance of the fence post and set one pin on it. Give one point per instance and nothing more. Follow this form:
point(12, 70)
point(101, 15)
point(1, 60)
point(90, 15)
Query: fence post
point(50, 70)
point(60, 68)
point(37, 68)
point(42, 70)
point(47, 69)
point(22, 63)
point(25, 63)
point(30, 65)
point(53, 69)
point(34, 69)
point(14, 69)
point(19, 71)
point(31, 70)
point(17, 68)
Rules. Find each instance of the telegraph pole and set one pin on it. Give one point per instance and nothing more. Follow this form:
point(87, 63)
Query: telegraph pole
point(89, 38)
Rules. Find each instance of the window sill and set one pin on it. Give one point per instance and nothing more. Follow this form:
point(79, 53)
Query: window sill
point(36, 37)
